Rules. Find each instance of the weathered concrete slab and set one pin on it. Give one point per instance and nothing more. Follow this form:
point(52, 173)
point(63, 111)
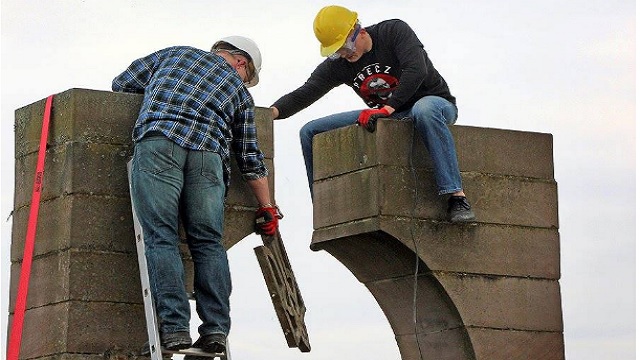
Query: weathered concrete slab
point(76, 325)
point(391, 190)
point(450, 344)
point(91, 230)
point(505, 302)
point(82, 276)
point(81, 115)
point(99, 117)
point(490, 249)
point(494, 151)
point(517, 345)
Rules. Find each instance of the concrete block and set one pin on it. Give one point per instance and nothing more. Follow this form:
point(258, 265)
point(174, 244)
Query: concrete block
point(505, 302)
point(118, 323)
point(489, 249)
point(86, 154)
point(72, 327)
point(504, 152)
point(102, 117)
point(110, 355)
point(517, 345)
point(80, 275)
point(78, 115)
point(346, 198)
point(239, 193)
point(361, 254)
point(75, 168)
point(44, 331)
point(514, 153)
point(391, 190)
point(99, 223)
point(449, 344)
point(435, 311)
point(242, 220)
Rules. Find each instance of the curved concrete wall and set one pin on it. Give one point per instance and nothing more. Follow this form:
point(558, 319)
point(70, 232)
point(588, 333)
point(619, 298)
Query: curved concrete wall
point(487, 290)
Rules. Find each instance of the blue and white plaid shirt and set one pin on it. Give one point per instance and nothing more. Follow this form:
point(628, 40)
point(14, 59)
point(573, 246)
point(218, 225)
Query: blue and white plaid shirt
point(197, 100)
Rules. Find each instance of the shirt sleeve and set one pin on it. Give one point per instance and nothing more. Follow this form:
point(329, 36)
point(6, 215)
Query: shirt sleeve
point(412, 59)
point(245, 144)
point(138, 75)
point(319, 83)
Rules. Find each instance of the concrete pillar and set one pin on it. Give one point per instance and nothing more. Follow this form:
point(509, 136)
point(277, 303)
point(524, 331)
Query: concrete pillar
point(487, 290)
point(84, 296)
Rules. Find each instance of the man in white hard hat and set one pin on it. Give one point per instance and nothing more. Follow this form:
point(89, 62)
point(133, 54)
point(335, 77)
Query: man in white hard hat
point(387, 66)
point(196, 111)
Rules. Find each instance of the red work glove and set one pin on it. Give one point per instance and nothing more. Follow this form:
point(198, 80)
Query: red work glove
point(267, 220)
point(368, 117)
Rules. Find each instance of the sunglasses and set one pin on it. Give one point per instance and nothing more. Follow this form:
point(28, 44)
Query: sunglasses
point(349, 46)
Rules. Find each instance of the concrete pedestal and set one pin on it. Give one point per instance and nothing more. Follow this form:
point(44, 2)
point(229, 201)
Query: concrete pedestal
point(84, 299)
point(487, 290)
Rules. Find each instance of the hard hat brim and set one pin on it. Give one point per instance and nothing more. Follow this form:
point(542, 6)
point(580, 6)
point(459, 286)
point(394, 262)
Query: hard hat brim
point(328, 50)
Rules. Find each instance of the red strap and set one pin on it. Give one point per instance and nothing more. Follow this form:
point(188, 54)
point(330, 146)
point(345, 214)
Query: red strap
point(13, 350)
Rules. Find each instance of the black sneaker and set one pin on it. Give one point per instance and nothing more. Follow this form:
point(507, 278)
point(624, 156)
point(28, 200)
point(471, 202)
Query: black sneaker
point(459, 210)
point(212, 343)
point(176, 341)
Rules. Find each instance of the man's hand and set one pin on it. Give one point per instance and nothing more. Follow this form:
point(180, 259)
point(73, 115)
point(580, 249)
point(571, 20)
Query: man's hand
point(274, 112)
point(368, 117)
point(267, 217)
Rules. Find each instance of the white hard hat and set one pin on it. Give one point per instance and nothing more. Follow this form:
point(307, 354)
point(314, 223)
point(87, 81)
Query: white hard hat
point(250, 47)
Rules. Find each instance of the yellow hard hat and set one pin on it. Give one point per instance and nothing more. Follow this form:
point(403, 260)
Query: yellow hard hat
point(332, 26)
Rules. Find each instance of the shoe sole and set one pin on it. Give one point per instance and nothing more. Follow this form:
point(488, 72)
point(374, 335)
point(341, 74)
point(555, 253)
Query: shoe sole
point(177, 345)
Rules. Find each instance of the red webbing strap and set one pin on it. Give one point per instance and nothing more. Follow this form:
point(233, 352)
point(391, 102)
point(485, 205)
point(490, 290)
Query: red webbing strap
point(13, 350)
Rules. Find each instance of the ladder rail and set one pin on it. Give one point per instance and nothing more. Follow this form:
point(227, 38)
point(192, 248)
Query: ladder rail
point(149, 306)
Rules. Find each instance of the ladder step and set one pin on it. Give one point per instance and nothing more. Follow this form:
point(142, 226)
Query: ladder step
point(195, 352)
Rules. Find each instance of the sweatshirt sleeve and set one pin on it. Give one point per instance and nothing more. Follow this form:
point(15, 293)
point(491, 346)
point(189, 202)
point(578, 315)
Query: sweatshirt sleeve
point(317, 85)
point(412, 59)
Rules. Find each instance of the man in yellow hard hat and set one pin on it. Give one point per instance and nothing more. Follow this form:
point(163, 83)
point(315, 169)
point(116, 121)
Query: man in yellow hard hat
point(387, 66)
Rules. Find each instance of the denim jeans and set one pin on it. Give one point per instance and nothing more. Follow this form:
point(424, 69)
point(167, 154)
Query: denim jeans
point(431, 116)
point(169, 183)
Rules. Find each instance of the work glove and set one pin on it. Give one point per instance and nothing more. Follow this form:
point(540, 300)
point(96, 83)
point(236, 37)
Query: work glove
point(368, 118)
point(267, 220)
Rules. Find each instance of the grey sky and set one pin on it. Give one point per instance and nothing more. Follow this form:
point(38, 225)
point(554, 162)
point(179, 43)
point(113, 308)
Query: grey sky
point(562, 67)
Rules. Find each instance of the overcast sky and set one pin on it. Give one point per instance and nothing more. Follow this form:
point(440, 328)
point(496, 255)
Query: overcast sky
point(562, 67)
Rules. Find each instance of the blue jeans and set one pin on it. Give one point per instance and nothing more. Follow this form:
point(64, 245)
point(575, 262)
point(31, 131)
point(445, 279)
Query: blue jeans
point(431, 116)
point(169, 183)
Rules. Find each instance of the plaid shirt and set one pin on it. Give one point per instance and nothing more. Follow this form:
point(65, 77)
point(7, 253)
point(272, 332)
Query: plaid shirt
point(196, 99)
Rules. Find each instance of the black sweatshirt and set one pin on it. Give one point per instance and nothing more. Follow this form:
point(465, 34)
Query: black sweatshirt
point(396, 72)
